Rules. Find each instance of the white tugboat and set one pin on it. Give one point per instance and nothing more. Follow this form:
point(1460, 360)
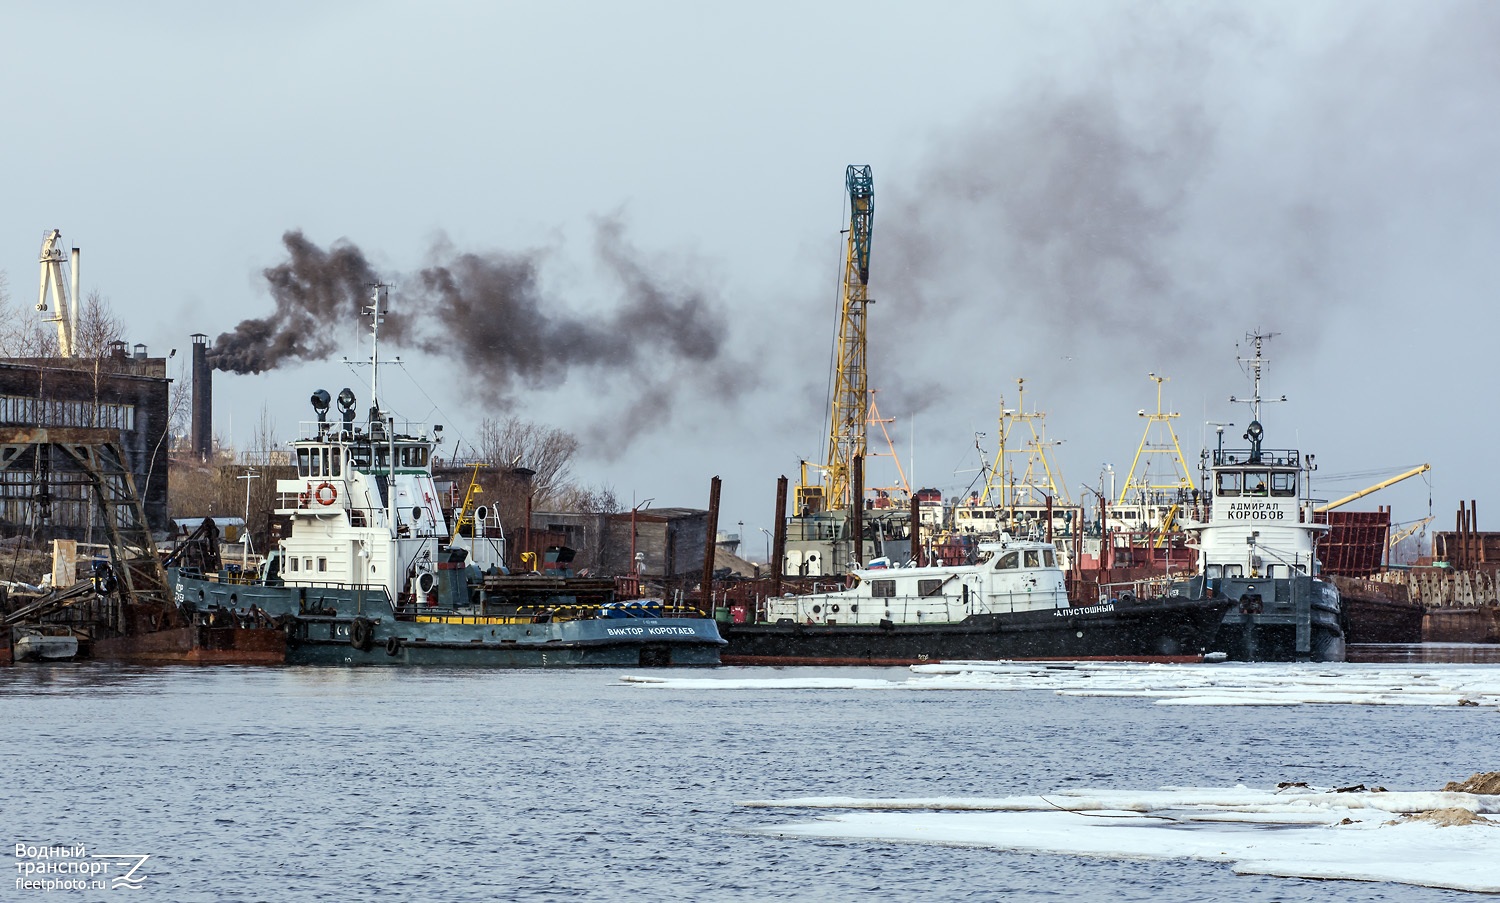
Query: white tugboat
point(373, 573)
point(1258, 549)
point(1011, 603)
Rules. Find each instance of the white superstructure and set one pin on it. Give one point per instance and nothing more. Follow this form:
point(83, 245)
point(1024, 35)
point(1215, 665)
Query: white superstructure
point(1007, 576)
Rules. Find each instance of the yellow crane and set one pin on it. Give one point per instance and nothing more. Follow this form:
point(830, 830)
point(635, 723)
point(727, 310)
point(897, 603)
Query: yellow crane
point(1376, 488)
point(1408, 531)
point(848, 404)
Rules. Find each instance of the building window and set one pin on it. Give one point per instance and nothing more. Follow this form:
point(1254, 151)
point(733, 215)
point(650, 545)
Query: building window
point(58, 412)
point(294, 563)
point(322, 564)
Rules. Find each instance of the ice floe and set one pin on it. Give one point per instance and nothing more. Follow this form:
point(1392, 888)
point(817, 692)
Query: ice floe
point(1225, 684)
point(1294, 831)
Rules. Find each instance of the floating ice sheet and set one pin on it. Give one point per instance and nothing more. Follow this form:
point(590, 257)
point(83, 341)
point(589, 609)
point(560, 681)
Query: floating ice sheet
point(1199, 684)
point(1296, 832)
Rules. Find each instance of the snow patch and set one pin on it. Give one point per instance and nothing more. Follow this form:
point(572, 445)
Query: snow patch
point(1193, 685)
point(1437, 839)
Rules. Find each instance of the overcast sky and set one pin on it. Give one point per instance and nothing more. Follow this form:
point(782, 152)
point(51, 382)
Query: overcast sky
point(623, 219)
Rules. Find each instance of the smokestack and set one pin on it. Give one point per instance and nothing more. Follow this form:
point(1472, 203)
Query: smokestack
point(709, 543)
point(203, 400)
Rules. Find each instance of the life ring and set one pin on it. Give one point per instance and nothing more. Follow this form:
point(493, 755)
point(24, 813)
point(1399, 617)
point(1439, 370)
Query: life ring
point(393, 645)
point(362, 634)
point(331, 496)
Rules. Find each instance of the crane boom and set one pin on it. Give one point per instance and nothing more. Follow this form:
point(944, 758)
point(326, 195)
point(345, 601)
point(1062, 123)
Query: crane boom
point(1376, 488)
point(847, 408)
point(65, 315)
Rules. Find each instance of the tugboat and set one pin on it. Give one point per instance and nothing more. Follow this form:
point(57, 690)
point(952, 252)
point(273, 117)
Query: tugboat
point(371, 572)
point(1011, 603)
point(1257, 549)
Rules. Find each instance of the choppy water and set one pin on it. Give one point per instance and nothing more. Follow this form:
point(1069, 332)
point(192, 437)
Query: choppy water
point(366, 784)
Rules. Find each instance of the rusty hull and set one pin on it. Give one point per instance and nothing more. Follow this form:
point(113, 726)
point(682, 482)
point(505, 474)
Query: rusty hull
point(197, 645)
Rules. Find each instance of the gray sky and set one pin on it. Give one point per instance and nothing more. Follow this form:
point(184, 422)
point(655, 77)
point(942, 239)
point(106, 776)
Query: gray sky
point(1075, 193)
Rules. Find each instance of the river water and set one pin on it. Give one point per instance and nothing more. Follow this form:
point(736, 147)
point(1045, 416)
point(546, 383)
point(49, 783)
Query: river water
point(386, 784)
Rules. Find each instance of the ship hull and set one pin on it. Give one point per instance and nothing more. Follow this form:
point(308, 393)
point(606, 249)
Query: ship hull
point(1169, 630)
point(195, 644)
point(333, 625)
point(1299, 619)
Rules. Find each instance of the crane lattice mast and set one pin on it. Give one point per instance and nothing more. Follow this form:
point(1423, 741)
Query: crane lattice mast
point(848, 406)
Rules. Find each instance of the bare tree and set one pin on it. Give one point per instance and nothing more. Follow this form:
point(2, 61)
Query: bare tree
point(587, 500)
point(263, 443)
point(97, 328)
point(32, 337)
point(22, 335)
point(548, 451)
point(179, 410)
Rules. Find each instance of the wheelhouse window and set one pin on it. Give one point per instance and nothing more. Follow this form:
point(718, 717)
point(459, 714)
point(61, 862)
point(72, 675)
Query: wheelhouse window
point(1033, 558)
point(1284, 484)
point(1230, 483)
point(1049, 558)
point(1008, 561)
point(322, 564)
point(883, 589)
point(304, 462)
point(1255, 482)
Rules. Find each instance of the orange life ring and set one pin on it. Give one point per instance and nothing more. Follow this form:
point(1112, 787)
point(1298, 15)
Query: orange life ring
point(328, 499)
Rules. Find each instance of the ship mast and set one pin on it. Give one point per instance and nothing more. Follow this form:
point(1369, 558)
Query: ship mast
point(1032, 487)
point(1256, 365)
point(376, 318)
point(1143, 487)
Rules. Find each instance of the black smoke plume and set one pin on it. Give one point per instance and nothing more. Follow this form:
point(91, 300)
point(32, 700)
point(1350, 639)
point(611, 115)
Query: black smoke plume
point(489, 313)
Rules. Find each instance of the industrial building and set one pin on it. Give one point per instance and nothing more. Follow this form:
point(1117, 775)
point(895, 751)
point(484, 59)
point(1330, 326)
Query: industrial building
point(126, 394)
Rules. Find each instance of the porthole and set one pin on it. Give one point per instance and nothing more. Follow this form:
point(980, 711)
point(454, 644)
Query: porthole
point(817, 609)
point(834, 609)
point(854, 609)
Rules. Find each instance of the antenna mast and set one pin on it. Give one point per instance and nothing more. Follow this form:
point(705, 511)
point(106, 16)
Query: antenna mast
point(377, 316)
point(1257, 366)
